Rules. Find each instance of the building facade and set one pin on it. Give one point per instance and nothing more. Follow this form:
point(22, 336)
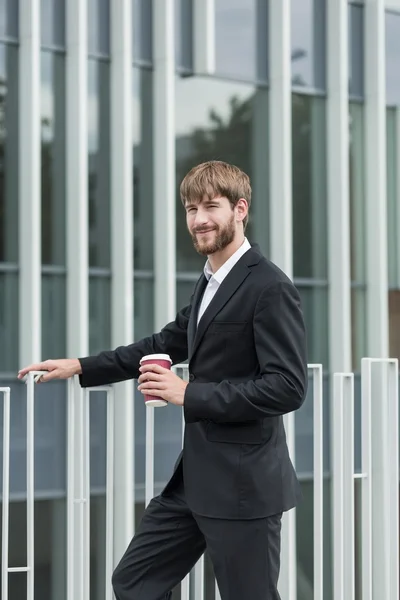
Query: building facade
point(104, 107)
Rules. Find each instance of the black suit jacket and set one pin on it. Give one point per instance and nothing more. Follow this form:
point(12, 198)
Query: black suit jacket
point(248, 367)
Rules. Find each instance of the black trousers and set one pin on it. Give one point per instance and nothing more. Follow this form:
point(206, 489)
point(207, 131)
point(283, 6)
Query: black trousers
point(170, 540)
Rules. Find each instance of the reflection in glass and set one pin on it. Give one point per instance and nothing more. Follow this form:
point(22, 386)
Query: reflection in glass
point(217, 120)
point(314, 302)
point(184, 34)
point(8, 322)
point(99, 163)
point(357, 192)
point(392, 21)
point(394, 323)
point(359, 326)
point(393, 205)
point(99, 313)
point(52, 22)
point(53, 158)
point(142, 30)
point(9, 18)
point(236, 38)
point(308, 43)
point(142, 169)
point(144, 307)
point(53, 316)
point(356, 50)
point(99, 27)
point(8, 153)
point(309, 187)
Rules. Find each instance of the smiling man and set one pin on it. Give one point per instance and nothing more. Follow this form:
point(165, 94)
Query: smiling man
point(244, 336)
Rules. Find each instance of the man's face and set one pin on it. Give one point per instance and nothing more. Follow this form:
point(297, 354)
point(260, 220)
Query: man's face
point(212, 224)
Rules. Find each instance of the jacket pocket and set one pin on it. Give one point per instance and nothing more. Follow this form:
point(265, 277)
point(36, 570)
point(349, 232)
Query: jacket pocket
point(224, 327)
point(235, 433)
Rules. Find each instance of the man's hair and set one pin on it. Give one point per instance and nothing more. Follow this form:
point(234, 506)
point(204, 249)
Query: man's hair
point(216, 178)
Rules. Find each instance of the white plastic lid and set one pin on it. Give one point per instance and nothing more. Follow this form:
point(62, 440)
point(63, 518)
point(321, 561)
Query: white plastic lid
point(156, 357)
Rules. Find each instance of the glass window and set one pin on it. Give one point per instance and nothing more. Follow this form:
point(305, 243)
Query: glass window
point(184, 34)
point(392, 58)
point(144, 307)
point(8, 154)
point(99, 26)
point(393, 204)
point(239, 27)
point(142, 30)
point(53, 158)
point(9, 18)
point(52, 22)
point(142, 169)
point(394, 323)
point(99, 163)
point(314, 302)
point(357, 195)
point(8, 321)
point(308, 43)
point(53, 316)
point(359, 326)
point(356, 50)
point(309, 187)
point(99, 313)
point(222, 121)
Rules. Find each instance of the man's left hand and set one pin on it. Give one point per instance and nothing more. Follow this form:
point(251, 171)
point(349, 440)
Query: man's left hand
point(157, 381)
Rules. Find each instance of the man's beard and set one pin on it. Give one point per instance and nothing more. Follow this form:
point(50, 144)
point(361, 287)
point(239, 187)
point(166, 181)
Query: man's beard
point(223, 236)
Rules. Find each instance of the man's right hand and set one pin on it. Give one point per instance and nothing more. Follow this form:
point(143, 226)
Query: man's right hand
point(63, 368)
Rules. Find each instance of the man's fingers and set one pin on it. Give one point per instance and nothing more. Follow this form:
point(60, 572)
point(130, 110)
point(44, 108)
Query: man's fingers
point(150, 376)
point(35, 367)
point(154, 369)
point(49, 376)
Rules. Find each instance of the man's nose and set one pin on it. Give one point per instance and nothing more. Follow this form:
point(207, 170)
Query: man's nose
point(201, 218)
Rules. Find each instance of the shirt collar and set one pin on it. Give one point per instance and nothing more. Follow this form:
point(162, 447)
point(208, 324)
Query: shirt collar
point(223, 271)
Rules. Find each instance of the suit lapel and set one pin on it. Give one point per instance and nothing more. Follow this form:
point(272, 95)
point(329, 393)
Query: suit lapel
point(228, 287)
point(197, 296)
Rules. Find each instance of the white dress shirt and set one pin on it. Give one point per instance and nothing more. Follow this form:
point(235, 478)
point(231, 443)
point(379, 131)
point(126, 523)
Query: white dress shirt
point(215, 279)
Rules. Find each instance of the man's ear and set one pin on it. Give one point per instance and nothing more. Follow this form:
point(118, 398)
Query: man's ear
point(242, 209)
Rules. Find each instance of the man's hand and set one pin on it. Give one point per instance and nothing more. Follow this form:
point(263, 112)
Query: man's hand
point(157, 381)
point(63, 368)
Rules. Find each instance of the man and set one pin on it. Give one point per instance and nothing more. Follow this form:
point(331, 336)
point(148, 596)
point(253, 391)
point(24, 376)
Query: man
point(244, 336)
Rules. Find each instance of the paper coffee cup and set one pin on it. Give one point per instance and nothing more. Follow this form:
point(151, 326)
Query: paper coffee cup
point(163, 360)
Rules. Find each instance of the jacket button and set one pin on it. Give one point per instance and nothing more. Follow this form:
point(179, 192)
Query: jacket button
point(191, 377)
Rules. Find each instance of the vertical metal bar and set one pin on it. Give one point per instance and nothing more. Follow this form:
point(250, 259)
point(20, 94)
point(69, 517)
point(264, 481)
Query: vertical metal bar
point(110, 493)
point(393, 477)
point(348, 487)
point(29, 183)
point(337, 481)
point(366, 517)
point(71, 419)
point(375, 179)
point(30, 486)
point(77, 178)
point(199, 579)
point(280, 136)
point(149, 472)
point(318, 481)
point(85, 397)
point(6, 493)
point(183, 372)
point(122, 292)
point(164, 161)
point(204, 37)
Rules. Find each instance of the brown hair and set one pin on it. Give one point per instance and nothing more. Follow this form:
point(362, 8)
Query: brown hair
point(216, 178)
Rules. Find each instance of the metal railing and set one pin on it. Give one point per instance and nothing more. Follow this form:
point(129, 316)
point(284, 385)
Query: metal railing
point(379, 476)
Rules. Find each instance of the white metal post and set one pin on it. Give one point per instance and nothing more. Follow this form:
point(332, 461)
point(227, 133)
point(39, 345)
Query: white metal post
point(281, 232)
point(318, 447)
point(343, 494)
point(122, 305)
point(204, 36)
point(29, 183)
point(375, 178)
point(149, 466)
point(5, 391)
point(164, 161)
point(77, 178)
